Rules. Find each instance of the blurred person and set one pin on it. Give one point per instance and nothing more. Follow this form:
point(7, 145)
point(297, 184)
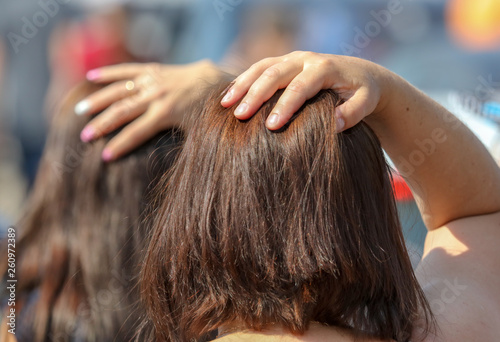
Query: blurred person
point(267, 30)
point(266, 235)
point(80, 239)
point(12, 183)
point(95, 37)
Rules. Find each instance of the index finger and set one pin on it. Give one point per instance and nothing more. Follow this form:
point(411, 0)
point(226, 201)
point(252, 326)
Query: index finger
point(303, 87)
point(102, 98)
point(116, 72)
point(133, 135)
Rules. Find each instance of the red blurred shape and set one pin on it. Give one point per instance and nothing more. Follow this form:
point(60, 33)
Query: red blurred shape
point(401, 190)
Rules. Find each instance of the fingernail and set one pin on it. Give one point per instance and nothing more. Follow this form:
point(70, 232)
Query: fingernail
point(107, 155)
point(228, 96)
point(82, 107)
point(241, 109)
point(272, 120)
point(93, 75)
point(339, 124)
point(87, 134)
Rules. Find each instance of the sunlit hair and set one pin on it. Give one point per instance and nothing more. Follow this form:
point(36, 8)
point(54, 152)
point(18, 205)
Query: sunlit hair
point(260, 228)
point(83, 232)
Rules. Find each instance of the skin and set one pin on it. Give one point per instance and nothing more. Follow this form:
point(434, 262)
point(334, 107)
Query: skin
point(316, 332)
point(456, 183)
point(156, 101)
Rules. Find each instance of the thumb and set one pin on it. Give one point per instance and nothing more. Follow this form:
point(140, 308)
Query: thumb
point(354, 109)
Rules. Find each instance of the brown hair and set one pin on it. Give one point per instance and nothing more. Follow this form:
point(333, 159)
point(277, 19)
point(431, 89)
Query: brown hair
point(83, 231)
point(261, 228)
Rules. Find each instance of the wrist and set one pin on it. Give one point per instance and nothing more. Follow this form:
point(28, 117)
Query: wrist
point(388, 85)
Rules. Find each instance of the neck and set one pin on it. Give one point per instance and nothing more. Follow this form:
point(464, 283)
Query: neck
point(315, 332)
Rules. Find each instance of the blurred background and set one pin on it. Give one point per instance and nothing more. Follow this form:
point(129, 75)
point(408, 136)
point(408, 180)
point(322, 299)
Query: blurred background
point(448, 48)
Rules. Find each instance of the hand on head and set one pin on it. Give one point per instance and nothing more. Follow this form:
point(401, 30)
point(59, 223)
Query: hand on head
point(148, 98)
point(145, 98)
point(303, 75)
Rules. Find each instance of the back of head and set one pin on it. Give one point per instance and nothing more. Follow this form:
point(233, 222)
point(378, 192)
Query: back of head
point(83, 230)
point(262, 228)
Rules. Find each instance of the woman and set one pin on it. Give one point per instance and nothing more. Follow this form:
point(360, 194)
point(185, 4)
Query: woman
point(260, 230)
point(79, 243)
point(452, 176)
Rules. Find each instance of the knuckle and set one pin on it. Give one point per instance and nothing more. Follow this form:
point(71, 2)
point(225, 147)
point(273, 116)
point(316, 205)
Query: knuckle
point(324, 63)
point(292, 55)
point(152, 73)
point(130, 102)
point(153, 68)
point(120, 108)
point(252, 69)
point(306, 54)
point(103, 125)
point(272, 72)
point(253, 92)
point(297, 87)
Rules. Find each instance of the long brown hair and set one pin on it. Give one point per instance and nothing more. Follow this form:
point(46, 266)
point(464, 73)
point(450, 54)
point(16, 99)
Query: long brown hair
point(262, 228)
point(83, 233)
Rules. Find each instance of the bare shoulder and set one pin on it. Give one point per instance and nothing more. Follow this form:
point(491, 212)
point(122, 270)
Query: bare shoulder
point(460, 276)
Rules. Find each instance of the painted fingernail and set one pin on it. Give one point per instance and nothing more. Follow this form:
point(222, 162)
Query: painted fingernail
point(93, 75)
point(228, 96)
point(82, 107)
point(87, 134)
point(106, 155)
point(272, 120)
point(339, 124)
point(241, 109)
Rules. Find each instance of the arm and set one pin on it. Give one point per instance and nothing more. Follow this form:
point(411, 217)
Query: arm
point(450, 172)
point(457, 186)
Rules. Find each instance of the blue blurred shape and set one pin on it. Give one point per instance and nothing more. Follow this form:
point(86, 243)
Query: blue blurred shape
point(492, 110)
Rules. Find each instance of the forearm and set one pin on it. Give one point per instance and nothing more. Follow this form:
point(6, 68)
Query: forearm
point(450, 172)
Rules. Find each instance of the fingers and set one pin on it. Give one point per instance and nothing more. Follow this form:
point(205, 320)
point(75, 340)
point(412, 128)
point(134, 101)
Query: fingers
point(103, 98)
point(114, 73)
point(354, 109)
point(133, 135)
point(276, 77)
point(117, 115)
point(243, 82)
point(304, 86)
